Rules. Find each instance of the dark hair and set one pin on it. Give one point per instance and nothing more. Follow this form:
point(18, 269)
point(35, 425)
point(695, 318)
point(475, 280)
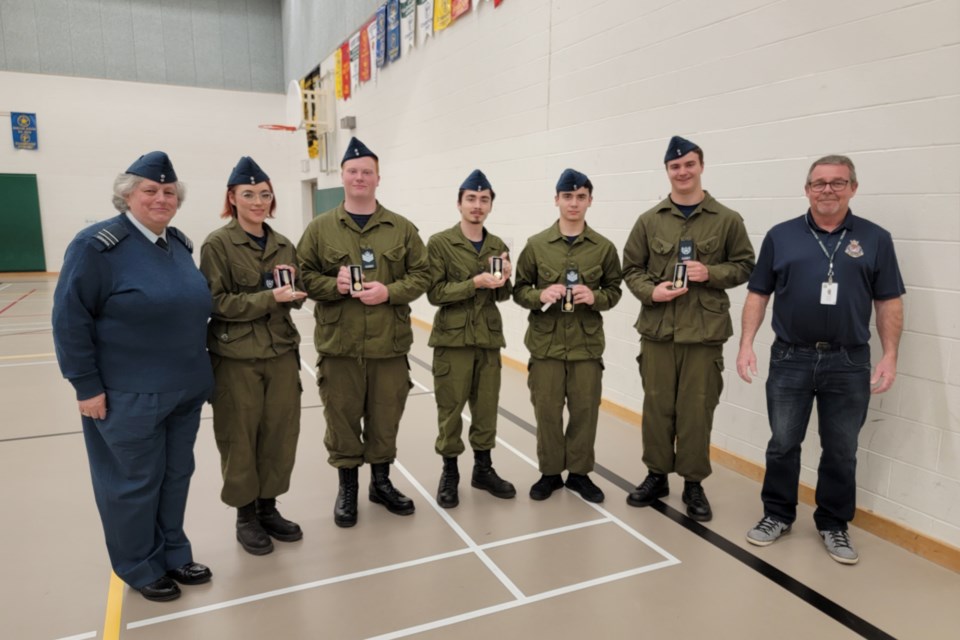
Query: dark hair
point(230, 211)
point(587, 184)
point(493, 196)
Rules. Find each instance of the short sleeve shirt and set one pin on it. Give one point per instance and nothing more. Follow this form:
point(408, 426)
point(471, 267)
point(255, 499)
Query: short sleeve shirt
point(793, 267)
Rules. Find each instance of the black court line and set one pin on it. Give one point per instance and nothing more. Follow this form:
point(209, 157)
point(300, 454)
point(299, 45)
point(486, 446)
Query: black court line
point(815, 599)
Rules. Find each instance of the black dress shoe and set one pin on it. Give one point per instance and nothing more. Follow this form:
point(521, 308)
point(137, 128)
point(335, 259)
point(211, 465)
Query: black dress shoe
point(654, 486)
point(545, 486)
point(583, 485)
point(698, 507)
point(161, 590)
point(191, 573)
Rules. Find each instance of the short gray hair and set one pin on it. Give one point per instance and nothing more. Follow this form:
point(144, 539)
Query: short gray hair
point(843, 161)
point(125, 183)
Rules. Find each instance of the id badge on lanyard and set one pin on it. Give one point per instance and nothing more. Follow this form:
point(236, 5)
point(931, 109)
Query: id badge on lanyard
point(829, 290)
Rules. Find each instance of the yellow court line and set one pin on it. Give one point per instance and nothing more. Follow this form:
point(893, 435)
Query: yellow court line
point(111, 620)
point(27, 356)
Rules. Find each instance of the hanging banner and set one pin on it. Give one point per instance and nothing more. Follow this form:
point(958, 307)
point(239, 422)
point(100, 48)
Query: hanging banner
point(354, 62)
point(311, 82)
point(458, 8)
point(24, 127)
point(408, 22)
point(365, 51)
point(371, 30)
point(424, 21)
point(345, 69)
point(393, 30)
point(381, 36)
point(441, 15)
point(338, 74)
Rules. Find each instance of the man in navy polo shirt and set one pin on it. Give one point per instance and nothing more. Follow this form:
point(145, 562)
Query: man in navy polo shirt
point(825, 269)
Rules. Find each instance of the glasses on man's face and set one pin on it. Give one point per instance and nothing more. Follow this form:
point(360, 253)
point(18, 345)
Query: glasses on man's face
point(835, 185)
point(250, 196)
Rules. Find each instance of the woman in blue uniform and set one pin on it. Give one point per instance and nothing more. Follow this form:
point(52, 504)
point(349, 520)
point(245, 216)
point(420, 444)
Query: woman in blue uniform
point(129, 325)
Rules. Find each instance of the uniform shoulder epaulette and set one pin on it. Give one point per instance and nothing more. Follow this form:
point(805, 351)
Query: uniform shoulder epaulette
point(182, 237)
point(110, 236)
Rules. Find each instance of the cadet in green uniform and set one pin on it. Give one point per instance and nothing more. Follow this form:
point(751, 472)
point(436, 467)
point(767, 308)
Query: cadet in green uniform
point(253, 346)
point(684, 321)
point(566, 276)
point(363, 265)
point(467, 337)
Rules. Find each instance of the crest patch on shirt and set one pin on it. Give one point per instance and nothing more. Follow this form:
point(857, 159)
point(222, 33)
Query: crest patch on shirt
point(854, 250)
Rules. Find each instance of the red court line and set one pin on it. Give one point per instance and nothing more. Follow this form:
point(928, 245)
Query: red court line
point(17, 300)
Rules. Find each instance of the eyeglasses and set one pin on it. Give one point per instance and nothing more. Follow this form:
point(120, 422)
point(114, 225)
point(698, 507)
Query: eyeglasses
point(835, 185)
point(250, 196)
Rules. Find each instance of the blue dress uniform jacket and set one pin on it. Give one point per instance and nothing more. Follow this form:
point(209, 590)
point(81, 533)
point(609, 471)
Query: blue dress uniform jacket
point(129, 320)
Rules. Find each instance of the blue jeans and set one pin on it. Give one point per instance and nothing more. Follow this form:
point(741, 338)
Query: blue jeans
point(838, 379)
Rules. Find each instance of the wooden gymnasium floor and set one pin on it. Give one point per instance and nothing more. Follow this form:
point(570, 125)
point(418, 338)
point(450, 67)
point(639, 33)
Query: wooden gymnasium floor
point(559, 569)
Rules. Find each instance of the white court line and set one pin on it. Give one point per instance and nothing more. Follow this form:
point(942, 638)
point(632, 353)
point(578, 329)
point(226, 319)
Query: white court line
point(27, 364)
point(453, 524)
point(519, 598)
point(300, 587)
point(506, 606)
point(544, 533)
point(4, 286)
point(80, 636)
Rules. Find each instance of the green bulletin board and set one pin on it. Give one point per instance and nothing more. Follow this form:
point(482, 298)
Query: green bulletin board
point(21, 236)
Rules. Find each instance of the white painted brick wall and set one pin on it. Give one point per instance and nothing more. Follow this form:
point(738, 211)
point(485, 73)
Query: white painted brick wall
point(765, 87)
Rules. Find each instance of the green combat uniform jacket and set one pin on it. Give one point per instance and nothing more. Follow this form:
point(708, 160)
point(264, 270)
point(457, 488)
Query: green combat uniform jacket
point(702, 315)
point(467, 335)
point(467, 317)
point(346, 326)
point(247, 321)
point(253, 343)
point(545, 261)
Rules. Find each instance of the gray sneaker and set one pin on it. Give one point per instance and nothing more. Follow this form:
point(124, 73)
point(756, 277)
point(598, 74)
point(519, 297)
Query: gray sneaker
point(840, 547)
point(767, 531)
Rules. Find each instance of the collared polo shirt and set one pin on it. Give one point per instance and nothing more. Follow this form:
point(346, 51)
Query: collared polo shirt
point(793, 268)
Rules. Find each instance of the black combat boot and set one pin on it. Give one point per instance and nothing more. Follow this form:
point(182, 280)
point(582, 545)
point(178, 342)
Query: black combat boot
point(250, 533)
point(383, 492)
point(654, 486)
point(698, 507)
point(447, 495)
point(486, 478)
point(345, 509)
point(275, 524)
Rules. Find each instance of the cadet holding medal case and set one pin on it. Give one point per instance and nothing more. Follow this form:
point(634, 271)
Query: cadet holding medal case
point(253, 346)
point(363, 265)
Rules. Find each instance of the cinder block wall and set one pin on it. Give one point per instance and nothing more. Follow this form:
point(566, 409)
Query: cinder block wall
point(764, 87)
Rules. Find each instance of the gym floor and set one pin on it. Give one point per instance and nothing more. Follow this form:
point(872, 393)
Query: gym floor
point(562, 568)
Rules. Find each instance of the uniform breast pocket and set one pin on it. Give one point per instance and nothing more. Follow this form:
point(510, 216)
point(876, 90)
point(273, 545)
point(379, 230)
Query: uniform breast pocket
point(245, 280)
point(592, 276)
point(395, 260)
point(546, 275)
point(708, 250)
point(663, 255)
point(333, 259)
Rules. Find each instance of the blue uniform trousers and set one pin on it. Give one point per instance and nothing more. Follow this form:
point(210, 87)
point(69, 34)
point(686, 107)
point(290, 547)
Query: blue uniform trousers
point(141, 460)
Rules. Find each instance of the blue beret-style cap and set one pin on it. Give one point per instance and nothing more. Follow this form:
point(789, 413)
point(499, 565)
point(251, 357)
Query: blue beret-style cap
point(247, 172)
point(356, 149)
point(678, 148)
point(476, 181)
point(571, 180)
point(154, 166)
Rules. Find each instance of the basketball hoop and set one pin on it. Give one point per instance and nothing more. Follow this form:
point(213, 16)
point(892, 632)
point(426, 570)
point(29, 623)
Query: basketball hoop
point(278, 127)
